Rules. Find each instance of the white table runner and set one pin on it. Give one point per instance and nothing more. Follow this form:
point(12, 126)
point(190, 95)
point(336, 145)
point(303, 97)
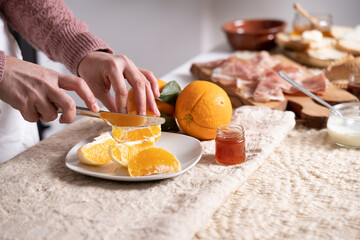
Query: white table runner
point(41, 198)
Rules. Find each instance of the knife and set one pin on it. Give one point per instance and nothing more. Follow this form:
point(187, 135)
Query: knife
point(120, 119)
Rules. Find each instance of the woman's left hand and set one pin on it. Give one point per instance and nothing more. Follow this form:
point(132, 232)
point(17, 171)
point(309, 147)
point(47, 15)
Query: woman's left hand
point(102, 70)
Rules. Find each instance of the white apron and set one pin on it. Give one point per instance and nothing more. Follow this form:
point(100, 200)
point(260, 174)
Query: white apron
point(16, 134)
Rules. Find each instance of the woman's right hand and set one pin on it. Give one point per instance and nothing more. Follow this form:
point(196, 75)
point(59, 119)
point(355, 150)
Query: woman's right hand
point(36, 91)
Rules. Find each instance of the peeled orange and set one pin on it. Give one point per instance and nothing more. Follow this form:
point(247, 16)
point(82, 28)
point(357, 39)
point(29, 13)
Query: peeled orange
point(201, 107)
point(126, 134)
point(121, 153)
point(163, 107)
point(97, 152)
point(133, 149)
point(153, 161)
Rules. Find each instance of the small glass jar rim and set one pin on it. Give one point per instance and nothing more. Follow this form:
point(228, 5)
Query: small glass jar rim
point(342, 107)
point(235, 128)
point(316, 14)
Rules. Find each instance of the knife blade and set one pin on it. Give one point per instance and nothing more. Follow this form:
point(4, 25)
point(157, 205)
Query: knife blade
point(120, 119)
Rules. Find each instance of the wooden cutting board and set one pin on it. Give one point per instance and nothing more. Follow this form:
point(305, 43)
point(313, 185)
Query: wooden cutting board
point(308, 111)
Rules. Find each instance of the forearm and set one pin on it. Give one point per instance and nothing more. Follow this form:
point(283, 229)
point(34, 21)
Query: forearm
point(52, 28)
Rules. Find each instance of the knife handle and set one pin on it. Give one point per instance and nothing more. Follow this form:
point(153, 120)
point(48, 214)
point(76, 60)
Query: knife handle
point(83, 111)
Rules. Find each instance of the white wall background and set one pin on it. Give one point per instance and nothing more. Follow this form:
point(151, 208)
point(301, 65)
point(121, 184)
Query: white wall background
point(161, 34)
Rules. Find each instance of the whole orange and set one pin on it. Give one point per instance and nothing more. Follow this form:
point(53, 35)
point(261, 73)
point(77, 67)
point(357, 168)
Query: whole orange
point(163, 107)
point(201, 107)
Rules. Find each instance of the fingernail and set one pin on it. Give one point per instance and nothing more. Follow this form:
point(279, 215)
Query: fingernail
point(96, 107)
point(157, 112)
point(143, 113)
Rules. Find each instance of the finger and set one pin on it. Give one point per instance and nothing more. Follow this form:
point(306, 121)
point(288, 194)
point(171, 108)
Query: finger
point(46, 110)
point(108, 101)
point(153, 81)
point(79, 85)
point(118, 83)
point(29, 113)
point(138, 81)
point(140, 98)
point(150, 101)
point(66, 103)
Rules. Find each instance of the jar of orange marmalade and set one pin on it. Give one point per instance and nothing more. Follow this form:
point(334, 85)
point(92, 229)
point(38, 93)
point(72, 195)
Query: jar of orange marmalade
point(230, 144)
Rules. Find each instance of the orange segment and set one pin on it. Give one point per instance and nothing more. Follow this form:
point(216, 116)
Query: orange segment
point(117, 133)
point(121, 153)
point(97, 152)
point(136, 134)
point(153, 161)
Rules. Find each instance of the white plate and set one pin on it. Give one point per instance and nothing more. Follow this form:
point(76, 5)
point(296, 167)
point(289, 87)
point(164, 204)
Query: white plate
point(186, 149)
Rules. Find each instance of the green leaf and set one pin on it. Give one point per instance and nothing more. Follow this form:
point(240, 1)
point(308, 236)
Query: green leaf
point(170, 92)
point(170, 124)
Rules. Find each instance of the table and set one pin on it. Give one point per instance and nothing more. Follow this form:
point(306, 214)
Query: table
point(314, 192)
point(307, 188)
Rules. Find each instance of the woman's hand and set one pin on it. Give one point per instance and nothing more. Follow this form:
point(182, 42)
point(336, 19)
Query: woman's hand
point(102, 70)
point(36, 91)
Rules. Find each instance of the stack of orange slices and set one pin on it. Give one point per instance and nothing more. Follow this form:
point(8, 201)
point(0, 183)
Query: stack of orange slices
point(131, 147)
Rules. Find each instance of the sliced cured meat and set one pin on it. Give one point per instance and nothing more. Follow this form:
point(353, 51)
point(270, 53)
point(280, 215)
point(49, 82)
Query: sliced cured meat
point(212, 64)
point(246, 87)
point(267, 91)
point(270, 87)
point(264, 60)
point(258, 77)
point(232, 69)
point(316, 84)
point(272, 76)
point(295, 73)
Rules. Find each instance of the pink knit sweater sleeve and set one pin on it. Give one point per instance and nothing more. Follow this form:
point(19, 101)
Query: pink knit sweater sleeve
point(52, 28)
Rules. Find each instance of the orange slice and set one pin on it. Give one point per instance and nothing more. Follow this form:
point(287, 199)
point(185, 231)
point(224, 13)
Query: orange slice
point(153, 161)
point(97, 152)
point(121, 153)
point(129, 134)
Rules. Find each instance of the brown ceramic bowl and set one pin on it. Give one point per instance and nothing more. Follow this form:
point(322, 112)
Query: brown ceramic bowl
point(253, 34)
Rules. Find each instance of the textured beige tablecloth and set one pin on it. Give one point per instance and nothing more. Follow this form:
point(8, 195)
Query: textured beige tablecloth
point(42, 199)
point(308, 188)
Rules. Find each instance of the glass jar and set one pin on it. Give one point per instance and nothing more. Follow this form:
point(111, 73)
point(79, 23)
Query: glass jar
point(301, 24)
point(345, 130)
point(354, 84)
point(230, 144)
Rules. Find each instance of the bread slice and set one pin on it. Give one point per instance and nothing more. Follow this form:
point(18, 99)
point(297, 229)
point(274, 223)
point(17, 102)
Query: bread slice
point(293, 42)
point(350, 46)
point(297, 43)
point(338, 31)
point(328, 53)
point(319, 58)
point(343, 69)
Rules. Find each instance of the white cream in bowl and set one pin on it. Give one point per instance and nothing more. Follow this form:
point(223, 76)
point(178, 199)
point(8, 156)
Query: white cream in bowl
point(345, 130)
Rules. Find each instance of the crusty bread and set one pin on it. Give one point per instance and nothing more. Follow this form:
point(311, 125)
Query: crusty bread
point(348, 38)
point(338, 31)
point(343, 69)
point(319, 58)
point(342, 83)
point(328, 53)
point(293, 42)
point(297, 43)
point(350, 46)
